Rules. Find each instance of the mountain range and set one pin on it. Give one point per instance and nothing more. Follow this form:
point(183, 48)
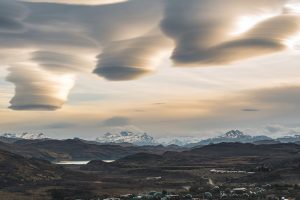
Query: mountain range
point(232, 136)
point(141, 139)
point(128, 138)
point(135, 138)
point(12, 137)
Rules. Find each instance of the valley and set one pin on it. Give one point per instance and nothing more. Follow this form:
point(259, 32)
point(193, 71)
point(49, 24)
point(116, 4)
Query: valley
point(26, 169)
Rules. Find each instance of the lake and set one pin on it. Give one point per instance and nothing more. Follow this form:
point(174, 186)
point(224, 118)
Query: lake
point(72, 162)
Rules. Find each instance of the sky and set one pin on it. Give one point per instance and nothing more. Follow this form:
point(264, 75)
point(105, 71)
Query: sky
point(81, 68)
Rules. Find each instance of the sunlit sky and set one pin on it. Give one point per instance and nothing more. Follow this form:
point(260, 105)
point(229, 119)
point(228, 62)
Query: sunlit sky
point(74, 68)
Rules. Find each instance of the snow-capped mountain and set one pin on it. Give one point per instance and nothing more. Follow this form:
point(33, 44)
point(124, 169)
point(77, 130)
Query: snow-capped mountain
point(230, 136)
point(180, 141)
point(8, 135)
point(289, 139)
point(141, 138)
point(136, 138)
point(233, 136)
point(32, 136)
point(26, 136)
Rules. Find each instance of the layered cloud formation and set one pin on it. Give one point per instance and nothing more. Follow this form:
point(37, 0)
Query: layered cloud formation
point(130, 59)
point(36, 89)
point(58, 62)
point(203, 30)
point(85, 2)
point(125, 40)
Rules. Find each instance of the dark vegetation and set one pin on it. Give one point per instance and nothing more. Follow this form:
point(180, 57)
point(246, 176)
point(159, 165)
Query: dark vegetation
point(24, 173)
point(76, 149)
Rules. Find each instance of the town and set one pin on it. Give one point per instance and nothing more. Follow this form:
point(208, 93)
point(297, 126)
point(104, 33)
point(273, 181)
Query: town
point(252, 192)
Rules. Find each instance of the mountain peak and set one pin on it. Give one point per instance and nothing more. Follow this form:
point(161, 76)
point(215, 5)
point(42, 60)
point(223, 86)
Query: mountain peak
point(234, 134)
point(9, 135)
point(32, 136)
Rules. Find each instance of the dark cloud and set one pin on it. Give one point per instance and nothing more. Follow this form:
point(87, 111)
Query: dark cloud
point(10, 25)
point(121, 73)
point(40, 107)
point(130, 59)
point(230, 51)
point(159, 103)
point(250, 110)
point(11, 16)
point(116, 121)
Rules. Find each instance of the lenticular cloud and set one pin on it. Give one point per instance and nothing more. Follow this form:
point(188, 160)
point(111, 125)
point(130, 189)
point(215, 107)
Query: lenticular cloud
point(202, 30)
point(124, 40)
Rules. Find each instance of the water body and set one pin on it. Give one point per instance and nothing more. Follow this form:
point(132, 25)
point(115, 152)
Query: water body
point(82, 162)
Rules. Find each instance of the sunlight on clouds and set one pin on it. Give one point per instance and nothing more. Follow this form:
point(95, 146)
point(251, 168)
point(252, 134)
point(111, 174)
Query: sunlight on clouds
point(245, 23)
point(38, 89)
point(86, 2)
point(64, 84)
point(293, 7)
point(293, 41)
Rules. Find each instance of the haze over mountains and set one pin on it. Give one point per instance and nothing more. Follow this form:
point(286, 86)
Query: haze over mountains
point(144, 139)
point(137, 138)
